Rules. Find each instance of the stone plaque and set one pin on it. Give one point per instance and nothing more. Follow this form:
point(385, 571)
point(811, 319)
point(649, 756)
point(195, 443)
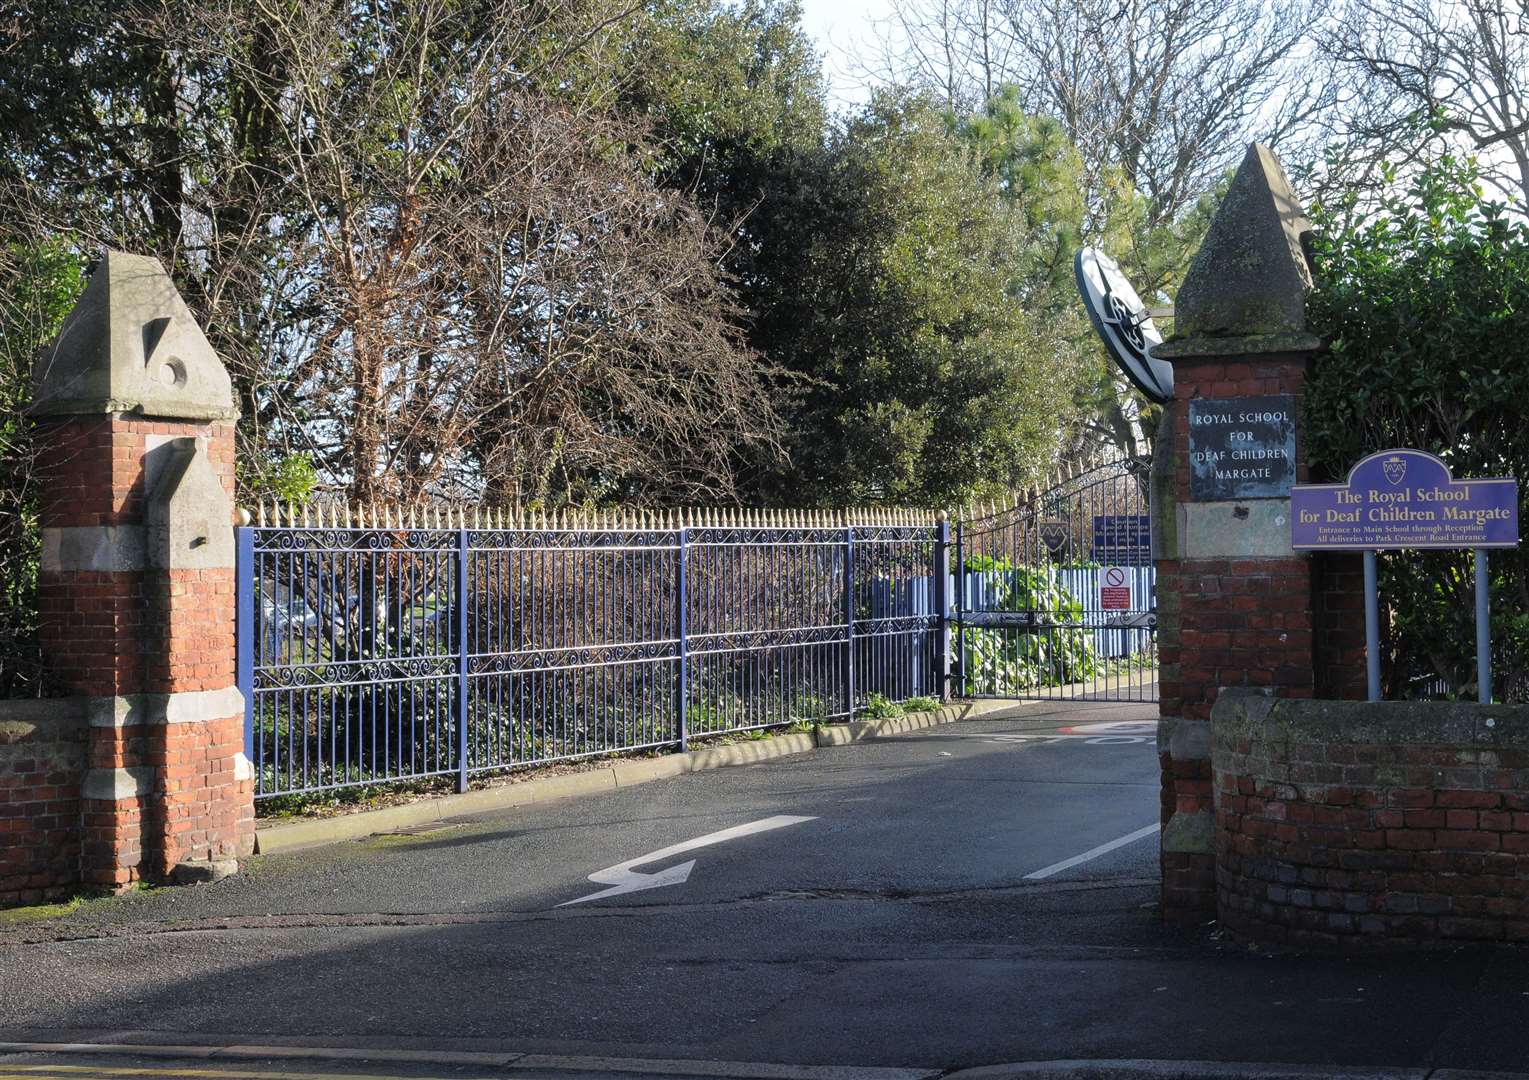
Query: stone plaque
point(1241, 448)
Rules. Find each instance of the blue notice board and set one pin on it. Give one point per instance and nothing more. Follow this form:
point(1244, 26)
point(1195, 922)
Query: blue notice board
point(1404, 498)
point(1122, 539)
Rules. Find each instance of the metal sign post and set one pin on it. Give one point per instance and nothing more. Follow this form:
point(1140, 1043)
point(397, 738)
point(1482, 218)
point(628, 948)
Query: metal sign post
point(1371, 627)
point(1483, 631)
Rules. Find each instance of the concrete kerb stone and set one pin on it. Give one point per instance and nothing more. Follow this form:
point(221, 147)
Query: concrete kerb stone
point(844, 734)
point(482, 1053)
point(512, 1062)
point(296, 835)
point(203, 871)
point(713, 1070)
point(1132, 1069)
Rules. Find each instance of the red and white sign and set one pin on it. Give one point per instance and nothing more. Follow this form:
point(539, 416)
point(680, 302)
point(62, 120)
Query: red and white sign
point(1115, 589)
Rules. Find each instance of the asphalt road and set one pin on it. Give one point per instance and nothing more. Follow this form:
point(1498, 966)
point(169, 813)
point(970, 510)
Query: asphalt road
point(901, 924)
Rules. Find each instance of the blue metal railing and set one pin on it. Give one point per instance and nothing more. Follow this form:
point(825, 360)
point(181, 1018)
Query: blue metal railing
point(369, 655)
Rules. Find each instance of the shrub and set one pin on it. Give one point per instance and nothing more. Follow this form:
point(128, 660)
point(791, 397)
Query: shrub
point(1056, 651)
point(1425, 302)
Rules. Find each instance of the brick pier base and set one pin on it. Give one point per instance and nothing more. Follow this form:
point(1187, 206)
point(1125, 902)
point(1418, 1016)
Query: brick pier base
point(136, 588)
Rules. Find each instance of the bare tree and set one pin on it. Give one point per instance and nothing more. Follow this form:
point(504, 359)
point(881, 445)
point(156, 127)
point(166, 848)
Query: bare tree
point(431, 253)
point(1167, 94)
point(1420, 75)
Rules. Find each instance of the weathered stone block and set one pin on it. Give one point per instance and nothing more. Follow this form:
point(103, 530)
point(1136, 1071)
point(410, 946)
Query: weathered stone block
point(1246, 529)
point(190, 517)
point(1251, 275)
point(131, 345)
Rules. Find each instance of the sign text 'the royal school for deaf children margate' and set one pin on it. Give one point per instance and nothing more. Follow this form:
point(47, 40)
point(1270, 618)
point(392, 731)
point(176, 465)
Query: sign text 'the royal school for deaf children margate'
point(1404, 499)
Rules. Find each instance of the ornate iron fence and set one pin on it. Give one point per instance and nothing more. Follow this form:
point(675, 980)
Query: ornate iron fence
point(390, 650)
point(1058, 591)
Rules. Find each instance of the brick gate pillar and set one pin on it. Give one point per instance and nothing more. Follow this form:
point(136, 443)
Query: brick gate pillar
point(1236, 604)
point(135, 433)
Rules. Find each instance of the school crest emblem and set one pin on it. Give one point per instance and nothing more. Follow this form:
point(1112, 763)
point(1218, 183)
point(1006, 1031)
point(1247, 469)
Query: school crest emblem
point(1395, 468)
point(1054, 535)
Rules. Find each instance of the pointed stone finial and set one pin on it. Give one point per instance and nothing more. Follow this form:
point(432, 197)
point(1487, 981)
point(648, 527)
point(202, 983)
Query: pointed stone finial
point(1251, 275)
point(131, 345)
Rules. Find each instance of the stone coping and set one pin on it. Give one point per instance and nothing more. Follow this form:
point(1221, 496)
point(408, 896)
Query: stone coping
point(33, 716)
point(1294, 345)
point(1242, 711)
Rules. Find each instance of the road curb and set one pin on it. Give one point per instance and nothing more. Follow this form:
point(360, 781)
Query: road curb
point(1147, 1069)
point(844, 734)
point(150, 1044)
point(297, 835)
point(510, 1062)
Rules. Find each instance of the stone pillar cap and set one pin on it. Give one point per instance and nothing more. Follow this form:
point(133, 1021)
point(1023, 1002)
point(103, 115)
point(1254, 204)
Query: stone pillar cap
point(131, 345)
point(1246, 289)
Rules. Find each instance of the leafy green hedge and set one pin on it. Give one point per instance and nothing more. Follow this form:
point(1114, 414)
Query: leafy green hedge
point(38, 285)
point(1002, 662)
point(1425, 300)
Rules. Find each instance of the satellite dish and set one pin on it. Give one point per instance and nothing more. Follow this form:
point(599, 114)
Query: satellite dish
point(1124, 323)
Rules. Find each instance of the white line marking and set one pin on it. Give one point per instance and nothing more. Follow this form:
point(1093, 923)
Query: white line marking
point(623, 879)
point(1092, 853)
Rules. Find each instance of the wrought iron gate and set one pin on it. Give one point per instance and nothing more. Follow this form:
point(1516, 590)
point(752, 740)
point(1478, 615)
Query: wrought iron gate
point(1057, 595)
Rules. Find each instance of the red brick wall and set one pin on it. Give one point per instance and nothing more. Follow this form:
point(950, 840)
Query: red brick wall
point(1189, 888)
point(92, 628)
point(118, 842)
point(42, 754)
point(1358, 825)
point(197, 650)
point(1338, 625)
point(1224, 621)
point(128, 633)
point(208, 813)
point(1241, 622)
point(93, 466)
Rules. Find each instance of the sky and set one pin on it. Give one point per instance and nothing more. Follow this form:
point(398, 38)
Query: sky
point(844, 30)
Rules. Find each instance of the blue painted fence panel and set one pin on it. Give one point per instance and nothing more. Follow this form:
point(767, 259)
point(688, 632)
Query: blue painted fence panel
point(376, 655)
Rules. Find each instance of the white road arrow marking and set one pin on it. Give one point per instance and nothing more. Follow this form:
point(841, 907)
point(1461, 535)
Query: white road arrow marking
point(623, 879)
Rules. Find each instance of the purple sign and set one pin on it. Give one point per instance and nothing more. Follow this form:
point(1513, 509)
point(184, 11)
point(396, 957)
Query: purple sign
point(1404, 499)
